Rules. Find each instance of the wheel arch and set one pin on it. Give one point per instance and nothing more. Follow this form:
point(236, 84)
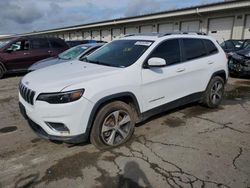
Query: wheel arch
point(3, 67)
point(126, 97)
point(220, 73)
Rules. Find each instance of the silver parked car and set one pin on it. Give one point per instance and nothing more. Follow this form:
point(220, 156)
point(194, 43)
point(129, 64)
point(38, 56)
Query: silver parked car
point(76, 52)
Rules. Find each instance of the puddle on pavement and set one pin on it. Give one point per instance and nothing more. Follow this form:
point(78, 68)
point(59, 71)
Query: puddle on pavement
point(240, 92)
point(8, 129)
point(244, 82)
point(70, 167)
point(174, 122)
point(195, 111)
point(35, 140)
point(6, 100)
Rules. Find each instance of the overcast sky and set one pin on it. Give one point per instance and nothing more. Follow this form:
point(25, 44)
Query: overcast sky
point(19, 16)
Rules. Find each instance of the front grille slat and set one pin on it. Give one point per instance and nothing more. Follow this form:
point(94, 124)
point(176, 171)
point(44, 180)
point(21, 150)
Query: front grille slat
point(27, 94)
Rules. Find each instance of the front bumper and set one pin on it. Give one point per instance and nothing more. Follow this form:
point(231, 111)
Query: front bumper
point(73, 115)
point(238, 67)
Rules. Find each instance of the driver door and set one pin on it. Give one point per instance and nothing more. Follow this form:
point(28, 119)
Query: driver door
point(161, 85)
point(17, 55)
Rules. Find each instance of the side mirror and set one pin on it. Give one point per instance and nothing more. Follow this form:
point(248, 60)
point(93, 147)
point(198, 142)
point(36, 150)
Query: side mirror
point(156, 62)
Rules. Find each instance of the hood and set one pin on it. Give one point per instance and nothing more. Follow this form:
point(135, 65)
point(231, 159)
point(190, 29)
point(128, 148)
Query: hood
point(245, 53)
point(57, 77)
point(45, 63)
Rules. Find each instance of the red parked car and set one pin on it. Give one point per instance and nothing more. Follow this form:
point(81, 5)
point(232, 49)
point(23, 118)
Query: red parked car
point(20, 53)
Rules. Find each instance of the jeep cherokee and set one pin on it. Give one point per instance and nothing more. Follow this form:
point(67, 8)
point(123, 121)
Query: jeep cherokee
point(102, 97)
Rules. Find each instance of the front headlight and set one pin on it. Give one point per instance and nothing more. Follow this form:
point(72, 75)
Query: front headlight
point(62, 97)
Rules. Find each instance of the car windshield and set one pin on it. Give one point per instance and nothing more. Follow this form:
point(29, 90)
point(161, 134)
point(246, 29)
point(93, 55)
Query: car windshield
point(72, 53)
point(246, 45)
point(3, 43)
point(120, 53)
point(237, 43)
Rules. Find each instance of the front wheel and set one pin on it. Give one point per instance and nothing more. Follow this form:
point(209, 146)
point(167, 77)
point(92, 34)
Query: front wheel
point(113, 125)
point(1, 72)
point(214, 92)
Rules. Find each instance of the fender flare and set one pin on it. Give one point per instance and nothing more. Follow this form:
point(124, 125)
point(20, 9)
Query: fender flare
point(106, 99)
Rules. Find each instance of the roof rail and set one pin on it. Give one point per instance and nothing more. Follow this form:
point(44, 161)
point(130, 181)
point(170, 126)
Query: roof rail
point(165, 34)
point(142, 34)
point(183, 33)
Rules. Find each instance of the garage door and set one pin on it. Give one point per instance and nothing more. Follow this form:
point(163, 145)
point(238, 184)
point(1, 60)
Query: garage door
point(78, 35)
point(96, 35)
point(116, 33)
point(221, 28)
point(146, 29)
point(61, 36)
point(166, 28)
point(131, 30)
point(247, 28)
point(66, 36)
point(73, 36)
point(86, 35)
point(106, 35)
point(190, 26)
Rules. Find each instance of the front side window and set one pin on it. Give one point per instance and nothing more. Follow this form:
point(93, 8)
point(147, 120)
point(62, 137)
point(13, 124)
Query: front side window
point(120, 53)
point(72, 53)
point(20, 45)
point(193, 48)
point(168, 50)
point(40, 43)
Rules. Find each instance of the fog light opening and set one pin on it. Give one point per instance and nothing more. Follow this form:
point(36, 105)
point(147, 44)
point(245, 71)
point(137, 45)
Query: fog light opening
point(59, 127)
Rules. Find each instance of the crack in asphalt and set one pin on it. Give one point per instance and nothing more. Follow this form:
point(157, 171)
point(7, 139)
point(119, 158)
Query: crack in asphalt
point(174, 145)
point(223, 126)
point(175, 178)
point(237, 157)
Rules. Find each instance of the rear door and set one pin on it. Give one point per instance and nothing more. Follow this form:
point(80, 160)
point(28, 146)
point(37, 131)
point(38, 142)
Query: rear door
point(40, 49)
point(161, 85)
point(197, 65)
point(20, 55)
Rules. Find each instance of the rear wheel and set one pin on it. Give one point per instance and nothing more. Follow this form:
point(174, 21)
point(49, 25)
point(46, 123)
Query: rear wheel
point(1, 71)
point(113, 125)
point(214, 92)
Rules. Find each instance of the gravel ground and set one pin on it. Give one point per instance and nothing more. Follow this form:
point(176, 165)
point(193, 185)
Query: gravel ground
point(187, 147)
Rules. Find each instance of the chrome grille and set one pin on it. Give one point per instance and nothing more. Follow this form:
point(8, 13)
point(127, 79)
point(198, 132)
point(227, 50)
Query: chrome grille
point(27, 94)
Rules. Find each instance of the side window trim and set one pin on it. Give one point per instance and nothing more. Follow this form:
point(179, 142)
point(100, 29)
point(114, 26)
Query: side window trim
point(208, 53)
point(144, 64)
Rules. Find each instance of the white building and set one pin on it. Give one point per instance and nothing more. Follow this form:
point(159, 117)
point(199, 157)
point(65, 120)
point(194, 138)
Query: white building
point(223, 20)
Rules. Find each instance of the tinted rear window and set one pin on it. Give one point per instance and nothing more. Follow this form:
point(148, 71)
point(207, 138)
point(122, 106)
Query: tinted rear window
point(211, 48)
point(193, 48)
point(40, 43)
point(56, 44)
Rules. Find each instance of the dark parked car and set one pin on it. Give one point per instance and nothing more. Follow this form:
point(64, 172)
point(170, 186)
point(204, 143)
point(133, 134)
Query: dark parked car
point(20, 53)
point(239, 62)
point(76, 52)
point(73, 43)
point(230, 46)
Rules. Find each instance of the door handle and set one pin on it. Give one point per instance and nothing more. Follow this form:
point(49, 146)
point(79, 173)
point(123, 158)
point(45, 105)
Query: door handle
point(26, 53)
point(210, 62)
point(49, 52)
point(180, 70)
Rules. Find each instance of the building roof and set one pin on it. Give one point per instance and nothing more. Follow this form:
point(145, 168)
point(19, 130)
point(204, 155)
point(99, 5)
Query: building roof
point(223, 5)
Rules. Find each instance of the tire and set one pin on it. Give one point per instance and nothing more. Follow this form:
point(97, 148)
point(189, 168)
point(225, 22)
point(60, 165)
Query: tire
point(214, 92)
point(1, 72)
point(108, 131)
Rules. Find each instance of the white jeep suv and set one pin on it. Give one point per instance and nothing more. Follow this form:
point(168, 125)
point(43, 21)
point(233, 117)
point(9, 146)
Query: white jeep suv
point(126, 81)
